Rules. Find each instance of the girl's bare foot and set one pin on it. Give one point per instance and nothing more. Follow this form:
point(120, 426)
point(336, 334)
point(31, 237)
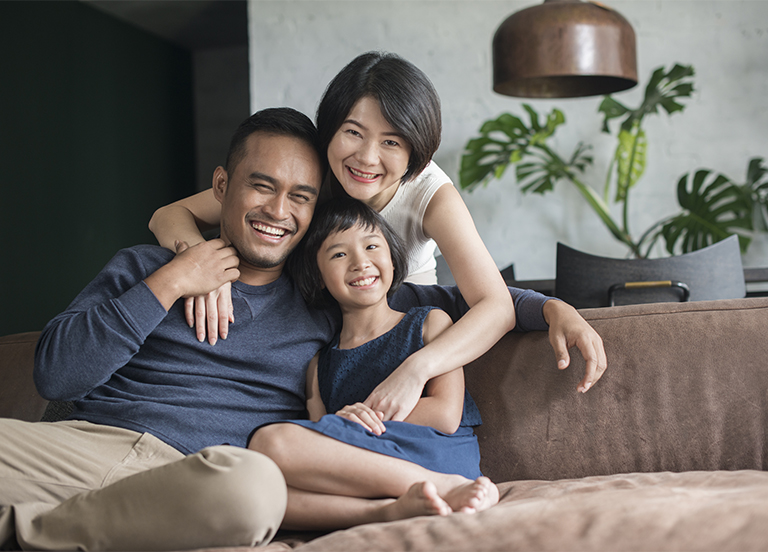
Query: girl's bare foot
point(421, 499)
point(472, 497)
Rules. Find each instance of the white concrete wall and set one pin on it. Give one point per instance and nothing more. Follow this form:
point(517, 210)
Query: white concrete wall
point(296, 47)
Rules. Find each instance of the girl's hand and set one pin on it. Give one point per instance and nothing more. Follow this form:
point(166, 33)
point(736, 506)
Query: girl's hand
point(396, 396)
point(212, 311)
point(365, 416)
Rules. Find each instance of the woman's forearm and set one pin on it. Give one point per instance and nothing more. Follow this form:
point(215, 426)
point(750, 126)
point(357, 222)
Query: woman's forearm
point(175, 223)
point(468, 339)
point(185, 220)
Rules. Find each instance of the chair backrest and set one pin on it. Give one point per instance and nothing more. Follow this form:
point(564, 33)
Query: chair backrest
point(715, 272)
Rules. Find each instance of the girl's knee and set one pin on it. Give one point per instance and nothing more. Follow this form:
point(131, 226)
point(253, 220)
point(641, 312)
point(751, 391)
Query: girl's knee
point(274, 440)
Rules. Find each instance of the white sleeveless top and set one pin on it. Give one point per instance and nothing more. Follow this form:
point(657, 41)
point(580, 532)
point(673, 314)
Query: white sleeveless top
point(405, 212)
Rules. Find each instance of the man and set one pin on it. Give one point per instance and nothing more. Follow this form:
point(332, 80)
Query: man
point(151, 457)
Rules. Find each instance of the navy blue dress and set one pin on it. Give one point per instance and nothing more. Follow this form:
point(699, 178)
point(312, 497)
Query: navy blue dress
point(348, 376)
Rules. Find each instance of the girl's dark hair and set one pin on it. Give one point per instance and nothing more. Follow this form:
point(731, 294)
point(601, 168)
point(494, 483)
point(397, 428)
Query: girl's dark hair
point(337, 215)
point(406, 97)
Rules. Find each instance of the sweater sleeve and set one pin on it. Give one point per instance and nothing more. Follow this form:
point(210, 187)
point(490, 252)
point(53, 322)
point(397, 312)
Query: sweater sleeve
point(100, 331)
point(528, 303)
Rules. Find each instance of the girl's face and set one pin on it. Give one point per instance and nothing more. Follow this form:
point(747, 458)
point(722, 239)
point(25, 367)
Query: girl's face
point(356, 266)
point(368, 156)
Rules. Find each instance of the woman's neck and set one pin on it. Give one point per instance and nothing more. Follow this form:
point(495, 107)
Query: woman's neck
point(361, 325)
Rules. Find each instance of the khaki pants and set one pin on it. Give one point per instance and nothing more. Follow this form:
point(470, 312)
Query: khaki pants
point(76, 485)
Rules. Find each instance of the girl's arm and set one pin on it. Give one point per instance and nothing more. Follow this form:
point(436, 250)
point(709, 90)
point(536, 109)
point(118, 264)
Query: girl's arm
point(184, 221)
point(448, 221)
point(442, 404)
point(315, 405)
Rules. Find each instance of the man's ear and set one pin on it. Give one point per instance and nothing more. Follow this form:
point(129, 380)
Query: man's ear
point(220, 181)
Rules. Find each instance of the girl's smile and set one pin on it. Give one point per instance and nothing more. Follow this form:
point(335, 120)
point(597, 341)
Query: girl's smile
point(368, 156)
point(356, 266)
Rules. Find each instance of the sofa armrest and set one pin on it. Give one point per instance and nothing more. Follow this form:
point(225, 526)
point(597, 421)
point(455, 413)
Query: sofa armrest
point(18, 396)
point(686, 389)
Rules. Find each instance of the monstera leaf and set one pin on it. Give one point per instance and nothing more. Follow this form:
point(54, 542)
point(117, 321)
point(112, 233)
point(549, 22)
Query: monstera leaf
point(503, 141)
point(630, 160)
point(664, 91)
point(714, 208)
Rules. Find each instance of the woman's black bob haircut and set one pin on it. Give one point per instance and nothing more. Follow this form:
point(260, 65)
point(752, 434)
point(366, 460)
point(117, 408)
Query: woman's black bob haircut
point(406, 97)
point(337, 215)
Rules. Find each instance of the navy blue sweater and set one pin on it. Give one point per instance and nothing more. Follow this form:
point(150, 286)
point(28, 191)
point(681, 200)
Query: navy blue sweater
point(127, 363)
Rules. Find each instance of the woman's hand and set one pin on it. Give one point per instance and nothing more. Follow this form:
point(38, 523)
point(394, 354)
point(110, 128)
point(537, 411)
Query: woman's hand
point(365, 416)
point(211, 313)
point(568, 329)
point(396, 397)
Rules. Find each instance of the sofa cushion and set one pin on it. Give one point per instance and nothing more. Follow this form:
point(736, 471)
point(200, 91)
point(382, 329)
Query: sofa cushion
point(660, 511)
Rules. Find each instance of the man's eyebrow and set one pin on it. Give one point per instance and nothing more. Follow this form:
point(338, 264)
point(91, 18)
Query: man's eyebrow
point(306, 188)
point(256, 175)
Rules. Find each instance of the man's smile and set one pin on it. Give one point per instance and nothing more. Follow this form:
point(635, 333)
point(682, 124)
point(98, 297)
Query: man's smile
point(269, 230)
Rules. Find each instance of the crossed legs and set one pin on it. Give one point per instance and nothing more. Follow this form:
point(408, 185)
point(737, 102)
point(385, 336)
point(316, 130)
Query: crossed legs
point(334, 485)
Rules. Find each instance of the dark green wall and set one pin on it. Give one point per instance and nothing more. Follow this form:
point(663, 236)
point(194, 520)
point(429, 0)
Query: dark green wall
point(96, 132)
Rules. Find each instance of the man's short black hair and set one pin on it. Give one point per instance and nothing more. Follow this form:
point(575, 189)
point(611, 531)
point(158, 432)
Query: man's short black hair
point(281, 121)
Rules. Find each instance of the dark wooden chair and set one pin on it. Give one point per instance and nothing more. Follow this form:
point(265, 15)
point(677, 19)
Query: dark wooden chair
point(585, 280)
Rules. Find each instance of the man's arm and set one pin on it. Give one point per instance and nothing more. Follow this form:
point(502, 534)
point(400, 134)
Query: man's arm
point(110, 319)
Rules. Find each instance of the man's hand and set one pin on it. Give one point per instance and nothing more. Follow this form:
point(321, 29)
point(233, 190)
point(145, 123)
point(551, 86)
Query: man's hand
point(194, 271)
point(568, 329)
point(364, 416)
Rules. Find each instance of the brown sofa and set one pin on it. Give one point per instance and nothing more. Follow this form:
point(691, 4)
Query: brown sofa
point(666, 452)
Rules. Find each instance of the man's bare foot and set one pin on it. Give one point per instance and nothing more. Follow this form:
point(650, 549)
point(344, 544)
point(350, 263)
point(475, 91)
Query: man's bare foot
point(472, 497)
point(420, 500)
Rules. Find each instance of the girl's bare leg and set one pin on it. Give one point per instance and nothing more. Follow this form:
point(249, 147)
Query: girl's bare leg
point(335, 468)
point(314, 511)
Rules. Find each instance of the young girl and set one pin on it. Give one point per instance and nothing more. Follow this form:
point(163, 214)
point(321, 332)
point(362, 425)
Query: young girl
point(379, 122)
point(431, 460)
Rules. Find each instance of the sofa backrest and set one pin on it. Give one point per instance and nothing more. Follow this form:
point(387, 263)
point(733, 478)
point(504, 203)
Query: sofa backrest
point(686, 389)
point(18, 396)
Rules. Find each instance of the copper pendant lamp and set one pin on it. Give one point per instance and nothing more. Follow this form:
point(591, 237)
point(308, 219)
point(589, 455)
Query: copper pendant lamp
point(564, 49)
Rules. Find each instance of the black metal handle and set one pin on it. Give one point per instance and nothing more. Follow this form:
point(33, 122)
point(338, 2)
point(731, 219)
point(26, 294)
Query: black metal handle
point(644, 285)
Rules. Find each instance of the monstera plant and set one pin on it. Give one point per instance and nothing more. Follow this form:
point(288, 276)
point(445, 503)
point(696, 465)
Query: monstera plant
point(712, 208)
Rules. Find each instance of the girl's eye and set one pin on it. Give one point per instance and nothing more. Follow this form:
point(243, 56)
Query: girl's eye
point(372, 246)
point(337, 255)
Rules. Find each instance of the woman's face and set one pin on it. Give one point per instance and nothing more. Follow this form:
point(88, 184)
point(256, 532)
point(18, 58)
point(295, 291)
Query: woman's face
point(356, 266)
point(368, 156)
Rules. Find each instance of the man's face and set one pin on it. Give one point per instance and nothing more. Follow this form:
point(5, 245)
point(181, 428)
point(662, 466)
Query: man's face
point(267, 202)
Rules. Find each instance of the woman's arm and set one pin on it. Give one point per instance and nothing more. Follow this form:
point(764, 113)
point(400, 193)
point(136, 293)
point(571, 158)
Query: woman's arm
point(492, 314)
point(185, 220)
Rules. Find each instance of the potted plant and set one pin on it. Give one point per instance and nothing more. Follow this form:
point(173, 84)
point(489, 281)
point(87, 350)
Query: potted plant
point(713, 208)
